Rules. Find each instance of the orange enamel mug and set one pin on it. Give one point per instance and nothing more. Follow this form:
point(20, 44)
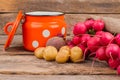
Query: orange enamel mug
point(37, 28)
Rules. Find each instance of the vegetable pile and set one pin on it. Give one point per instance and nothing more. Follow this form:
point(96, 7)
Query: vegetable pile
point(92, 37)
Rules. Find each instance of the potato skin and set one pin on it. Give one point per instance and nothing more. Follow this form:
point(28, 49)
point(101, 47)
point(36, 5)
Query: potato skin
point(50, 53)
point(39, 52)
point(63, 54)
point(76, 54)
point(62, 57)
point(65, 48)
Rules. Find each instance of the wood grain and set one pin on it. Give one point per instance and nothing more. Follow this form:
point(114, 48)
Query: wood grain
point(28, 64)
point(16, 50)
point(59, 77)
point(68, 6)
point(16, 60)
point(111, 21)
point(17, 40)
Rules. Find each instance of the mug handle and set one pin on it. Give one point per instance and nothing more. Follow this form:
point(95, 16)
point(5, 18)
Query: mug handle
point(9, 24)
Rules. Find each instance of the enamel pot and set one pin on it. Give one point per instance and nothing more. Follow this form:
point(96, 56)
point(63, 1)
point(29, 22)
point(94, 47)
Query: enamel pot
point(37, 28)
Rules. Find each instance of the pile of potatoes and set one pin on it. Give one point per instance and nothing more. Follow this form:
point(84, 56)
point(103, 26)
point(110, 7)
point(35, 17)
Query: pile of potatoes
point(65, 54)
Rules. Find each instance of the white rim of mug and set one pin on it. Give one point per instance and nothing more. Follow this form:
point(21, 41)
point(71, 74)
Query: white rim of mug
point(44, 13)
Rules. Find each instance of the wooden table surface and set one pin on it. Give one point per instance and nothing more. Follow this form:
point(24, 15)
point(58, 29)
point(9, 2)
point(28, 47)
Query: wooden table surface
point(19, 64)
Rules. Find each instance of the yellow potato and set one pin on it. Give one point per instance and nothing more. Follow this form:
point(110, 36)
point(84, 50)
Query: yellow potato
point(76, 54)
point(39, 52)
point(63, 54)
point(50, 53)
point(65, 48)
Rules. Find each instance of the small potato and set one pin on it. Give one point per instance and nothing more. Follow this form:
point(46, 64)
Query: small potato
point(50, 53)
point(63, 54)
point(65, 48)
point(76, 54)
point(39, 52)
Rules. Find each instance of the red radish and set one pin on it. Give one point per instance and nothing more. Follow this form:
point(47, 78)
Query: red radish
point(112, 51)
point(99, 33)
point(114, 63)
point(84, 39)
point(82, 47)
point(106, 38)
point(100, 54)
point(119, 56)
point(118, 70)
point(98, 25)
point(117, 39)
point(93, 43)
point(76, 40)
point(89, 23)
point(79, 28)
point(70, 44)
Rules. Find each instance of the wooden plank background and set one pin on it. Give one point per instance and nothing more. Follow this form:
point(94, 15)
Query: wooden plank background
point(111, 21)
point(68, 6)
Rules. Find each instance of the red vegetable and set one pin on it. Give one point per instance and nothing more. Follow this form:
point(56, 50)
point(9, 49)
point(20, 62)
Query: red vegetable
point(114, 63)
point(112, 51)
point(76, 40)
point(99, 33)
point(84, 39)
point(119, 55)
point(98, 25)
point(79, 28)
point(106, 38)
point(118, 70)
point(82, 47)
point(100, 54)
point(70, 44)
point(89, 23)
point(117, 39)
point(93, 43)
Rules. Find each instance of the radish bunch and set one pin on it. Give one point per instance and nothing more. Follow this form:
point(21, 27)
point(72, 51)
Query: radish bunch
point(92, 38)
